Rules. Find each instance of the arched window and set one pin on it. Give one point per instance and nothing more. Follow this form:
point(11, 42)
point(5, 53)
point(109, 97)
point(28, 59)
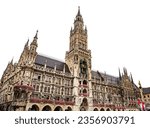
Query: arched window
point(45, 89)
point(85, 82)
point(84, 91)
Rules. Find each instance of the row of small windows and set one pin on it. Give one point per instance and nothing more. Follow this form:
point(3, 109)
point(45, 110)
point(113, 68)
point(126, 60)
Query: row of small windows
point(83, 82)
point(146, 96)
point(51, 79)
point(102, 88)
point(53, 90)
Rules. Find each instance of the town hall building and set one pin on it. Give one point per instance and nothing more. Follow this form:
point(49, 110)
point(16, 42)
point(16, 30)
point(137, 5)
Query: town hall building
point(41, 83)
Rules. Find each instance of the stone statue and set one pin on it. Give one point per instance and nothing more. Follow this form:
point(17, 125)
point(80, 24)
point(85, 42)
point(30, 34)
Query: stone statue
point(83, 67)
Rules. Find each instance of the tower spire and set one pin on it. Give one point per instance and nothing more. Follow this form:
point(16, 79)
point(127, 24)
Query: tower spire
point(12, 60)
point(36, 35)
point(26, 45)
point(34, 42)
point(119, 74)
point(78, 19)
point(131, 78)
point(78, 11)
point(140, 84)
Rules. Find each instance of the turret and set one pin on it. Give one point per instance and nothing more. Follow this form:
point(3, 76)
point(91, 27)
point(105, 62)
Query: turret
point(32, 51)
point(34, 45)
point(119, 74)
point(141, 91)
point(24, 55)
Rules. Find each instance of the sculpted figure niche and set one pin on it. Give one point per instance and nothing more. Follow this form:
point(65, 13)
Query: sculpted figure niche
point(83, 68)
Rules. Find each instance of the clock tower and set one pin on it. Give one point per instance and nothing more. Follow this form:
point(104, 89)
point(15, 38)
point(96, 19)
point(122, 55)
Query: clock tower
point(78, 58)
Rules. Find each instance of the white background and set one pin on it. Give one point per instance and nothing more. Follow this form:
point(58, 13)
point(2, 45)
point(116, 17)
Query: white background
point(118, 32)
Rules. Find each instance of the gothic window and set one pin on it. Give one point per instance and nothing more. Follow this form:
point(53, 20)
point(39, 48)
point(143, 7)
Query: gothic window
point(59, 81)
point(59, 90)
point(45, 89)
point(49, 79)
point(84, 91)
point(80, 91)
point(56, 90)
point(37, 88)
point(62, 90)
point(79, 82)
point(48, 89)
point(52, 90)
point(67, 99)
point(34, 86)
point(41, 89)
point(53, 79)
point(65, 91)
point(85, 82)
point(39, 77)
point(67, 82)
point(68, 91)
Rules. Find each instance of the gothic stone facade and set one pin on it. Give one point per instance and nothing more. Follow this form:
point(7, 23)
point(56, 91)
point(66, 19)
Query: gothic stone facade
point(146, 97)
point(40, 83)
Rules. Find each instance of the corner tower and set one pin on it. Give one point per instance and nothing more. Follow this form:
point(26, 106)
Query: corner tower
point(78, 58)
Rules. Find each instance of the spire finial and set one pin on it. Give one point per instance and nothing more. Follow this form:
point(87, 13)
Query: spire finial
point(27, 43)
point(12, 60)
point(36, 35)
point(34, 42)
point(119, 74)
point(140, 84)
point(131, 78)
point(85, 29)
point(45, 64)
point(55, 68)
point(78, 11)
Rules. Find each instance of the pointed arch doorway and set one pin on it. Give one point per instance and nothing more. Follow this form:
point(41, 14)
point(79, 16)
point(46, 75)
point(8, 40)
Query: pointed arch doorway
point(84, 105)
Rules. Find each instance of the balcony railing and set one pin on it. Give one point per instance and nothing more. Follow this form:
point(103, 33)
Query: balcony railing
point(98, 105)
point(35, 100)
point(83, 94)
point(83, 85)
point(60, 102)
point(24, 87)
point(69, 103)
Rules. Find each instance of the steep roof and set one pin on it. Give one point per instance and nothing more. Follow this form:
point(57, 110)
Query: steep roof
point(109, 78)
point(51, 63)
point(146, 90)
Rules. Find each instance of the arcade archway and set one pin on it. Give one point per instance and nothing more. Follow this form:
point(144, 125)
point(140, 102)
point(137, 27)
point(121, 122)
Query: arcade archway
point(84, 105)
point(34, 108)
point(95, 109)
point(102, 109)
point(68, 109)
point(58, 108)
point(47, 108)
